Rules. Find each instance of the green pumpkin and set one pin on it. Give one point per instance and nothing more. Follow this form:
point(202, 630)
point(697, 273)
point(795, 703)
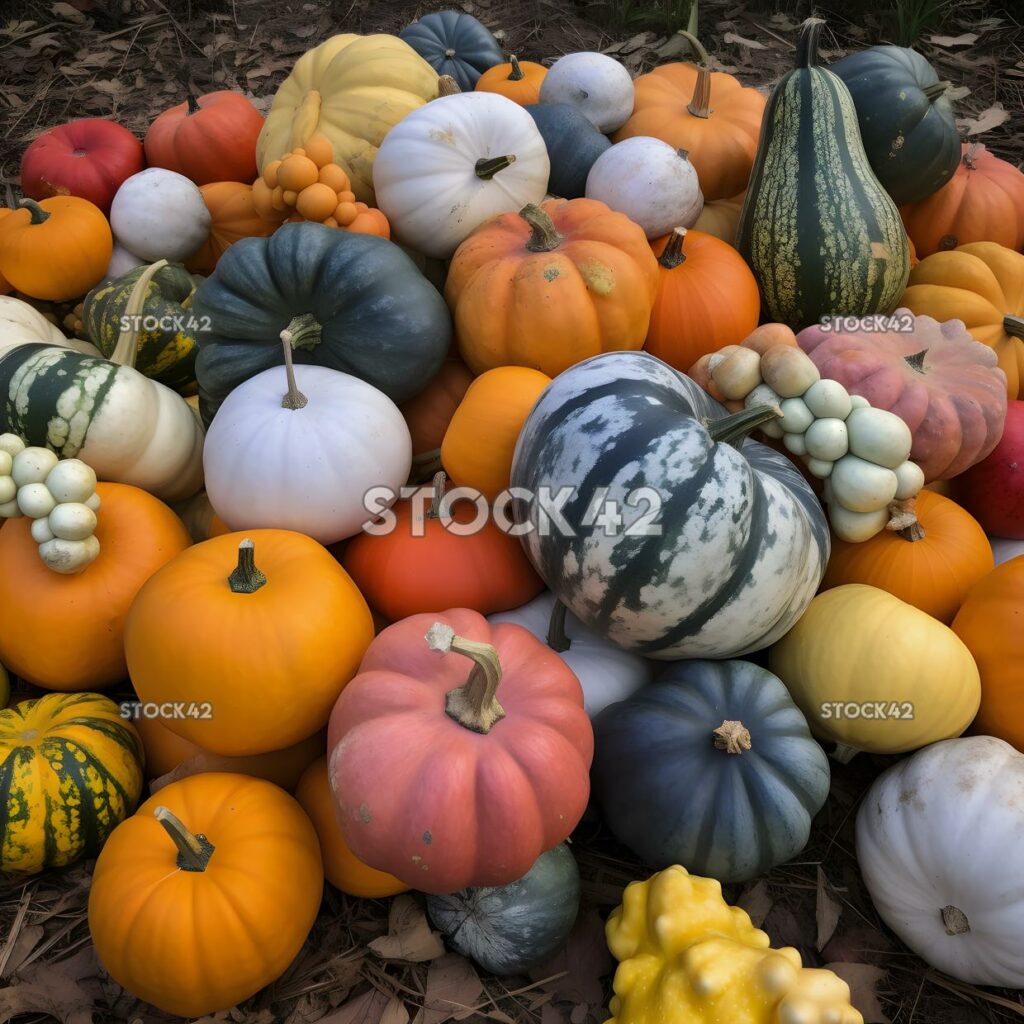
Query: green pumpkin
point(821, 235)
point(167, 348)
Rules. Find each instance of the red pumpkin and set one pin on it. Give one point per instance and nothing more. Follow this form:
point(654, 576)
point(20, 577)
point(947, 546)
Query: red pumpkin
point(459, 753)
point(212, 138)
point(88, 158)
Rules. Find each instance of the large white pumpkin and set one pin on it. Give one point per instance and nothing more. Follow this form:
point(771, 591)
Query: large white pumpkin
point(22, 324)
point(940, 842)
point(159, 214)
point(653, 184)
point(595, 83)
point(442, 170)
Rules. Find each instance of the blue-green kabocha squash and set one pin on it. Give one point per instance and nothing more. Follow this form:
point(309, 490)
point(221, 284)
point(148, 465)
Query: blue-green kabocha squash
point(821, 235)
point(906, 120)
point(353, 303)
point(721, 546)
point(507, 929)
point(454, 44)
point(713, 767)
point(573, 143)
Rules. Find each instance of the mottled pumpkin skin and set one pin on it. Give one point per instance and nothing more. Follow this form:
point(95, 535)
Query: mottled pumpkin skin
point(70, 771)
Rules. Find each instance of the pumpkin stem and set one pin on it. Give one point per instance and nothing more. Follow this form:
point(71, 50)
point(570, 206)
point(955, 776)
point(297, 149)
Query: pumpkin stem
point(38, 214)
point(807, 44)
point(516, 74)
point(735, 428)
point(127, 348)
point(1014, 326)
point(971, 155)
point(916, 361)
point(558, 640)
point(293, 397)
point(672, 255)
point(438, 486)
point(903, 520)
point(304, 331)
point(447, 86)
point(449, 53)
point(194, 851)
point(954, 920)
point(699, 103)
point(843, 753)
point(425, 465)
point(732, 737)
point(245, 578)
point(543, 237)
point(935, 90)
point(474, 705)
point(488, 167)
point(193, 106)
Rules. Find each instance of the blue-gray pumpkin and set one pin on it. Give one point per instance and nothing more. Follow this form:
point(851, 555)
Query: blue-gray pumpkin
point(719, 547)
point(573, 146)
point(455, 44)
point(351, 302)
point(507, 929)
point(712, 767)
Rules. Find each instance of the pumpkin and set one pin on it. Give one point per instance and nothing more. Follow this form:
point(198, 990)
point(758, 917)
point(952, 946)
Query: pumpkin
point(455, 44)
point(819, 232)
point(353, 90)
point(5, 286)
point(707, 298)
point(982, 202)
point(951, 894)
point(732, 725)
point(448, 689)
point(89, 158)
point(22, 324)
point(509, 929)
point(596, 83)
point(989, 623)
point(573, 145)
point(685, 954)
point(481, 437)
point(343, 869)
point(650, 182)
point(233, 216)
point(708, 114)
point(451, 554)
point(700, 548)
point(905, 118)
point(55, 249)
point(309, 625)
point(993, 490)
point(428, 414)
point(137, 534)
point(721, 218)
point(206, 893)
point(333, 441)
point(71, 770)
point(874, 673)
point(455, 163)
point(121, 261)
point(981, 284)
point(351, 302)
point(160, 214)
point(551, 285)
point(519, 81)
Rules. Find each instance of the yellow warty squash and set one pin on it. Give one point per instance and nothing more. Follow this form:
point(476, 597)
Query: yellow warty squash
point(687, 957)
point(354, 90)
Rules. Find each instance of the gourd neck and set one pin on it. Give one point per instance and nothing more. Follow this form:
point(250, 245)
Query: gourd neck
point(1014, 326)
point(127, 348)
point(557, 638)
point(916, 361)
point(731, 736)
point(488, 167)
point(474, 705)
point(447, 86)
point(935, 90)
point(544, 237)
point(293, 398)
point(807, 44)
point(516, 74)
point(246, 578)
point(193, 105)
point(735, 428)
point(672, 255)
point(194, 851)
point(36, 213)
point(954, 920)
point(700, 102)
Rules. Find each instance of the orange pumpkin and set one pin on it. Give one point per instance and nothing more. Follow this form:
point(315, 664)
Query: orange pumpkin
point(4, 284)
point(931, 564)
point(275, 629)
point(233, 216)
point(344, 870)
point(550, 286)
point(707, 298)
point(67, 632)
point(991, 623)
point(430, 412)
point(721, 218)
point(982, 202)
point(519, 81)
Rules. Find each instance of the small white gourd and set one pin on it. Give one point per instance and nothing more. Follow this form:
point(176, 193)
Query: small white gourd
point(737, 374)
point(763, 395)
point(69, 556)
point(795, 443)
point(796, 417)
point(8, 489)
point(828, 399)
point(859, 402)
point(12, 444)
point(856, 527)
point(788, 371)
point(862, 486)
point(32, 465)
point(93, 501)
point(71, 520)
point(35, 500)
point(41, 532)
point(879, 436)
point(821, 468)
point(827, 439)
point(71, 480)
point(909, 480)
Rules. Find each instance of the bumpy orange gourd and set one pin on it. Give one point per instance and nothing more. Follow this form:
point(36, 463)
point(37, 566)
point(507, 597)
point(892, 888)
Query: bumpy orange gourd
point(67, 632)
point(519, 81)
point(233, 216)
point(550, 286)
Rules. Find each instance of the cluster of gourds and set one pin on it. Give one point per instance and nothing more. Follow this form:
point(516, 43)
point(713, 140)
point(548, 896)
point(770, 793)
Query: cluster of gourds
point(318, 400)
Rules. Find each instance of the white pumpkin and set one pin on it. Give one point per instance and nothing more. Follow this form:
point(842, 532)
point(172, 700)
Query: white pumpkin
point(940, 843)
point(595, 83)
point(606, 672)
point(159, 214)
point(22, 324)
point(653, 184)
point(456, 162)
point(304, 466)
point(121, 261)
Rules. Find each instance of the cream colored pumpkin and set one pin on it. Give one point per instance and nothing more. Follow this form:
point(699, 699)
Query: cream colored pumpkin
point(22, 324)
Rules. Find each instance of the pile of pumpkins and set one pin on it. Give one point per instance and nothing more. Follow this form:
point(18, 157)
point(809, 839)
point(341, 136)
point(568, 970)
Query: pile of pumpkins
point(401, 453)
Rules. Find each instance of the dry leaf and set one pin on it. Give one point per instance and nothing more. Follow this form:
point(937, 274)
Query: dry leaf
point(551, 1015)
point(985, 121)
point(409, 936)
point(576, 969)
point(640, 39)
point(28, 938)
point(365, 1009)
point(863, 980)
point(452, 990)
point(50, 991)
point(61, 10)
point(750, 44)
point(675, 46)
point(965, 40)
point(395, 1012)
point(826, 911)
point(756, 902)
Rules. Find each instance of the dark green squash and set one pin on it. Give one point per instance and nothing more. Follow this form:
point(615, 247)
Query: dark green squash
point(906, 120)
point(573, 145)
point(820, 233)
point(454, 43)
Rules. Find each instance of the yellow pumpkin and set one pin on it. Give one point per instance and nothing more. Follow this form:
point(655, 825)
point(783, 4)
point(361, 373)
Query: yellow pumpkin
point(352, 89)
point(874, 673)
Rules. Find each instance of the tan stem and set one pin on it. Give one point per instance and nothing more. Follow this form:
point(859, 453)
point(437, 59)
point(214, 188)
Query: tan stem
point(127, 348)
point(971, 156)
point(544, 236)
point(447, 86)
point(903, 520)
point(672, 255)
point(700, 103)
point(558, 639)
point(293, 397)
point(516, 74)
point(438, 486)
point(245, 578)
point(954, 920)
point(194, 851)
point(731, 736)
point(695, 44)
point(474, 705)
point(807, 43)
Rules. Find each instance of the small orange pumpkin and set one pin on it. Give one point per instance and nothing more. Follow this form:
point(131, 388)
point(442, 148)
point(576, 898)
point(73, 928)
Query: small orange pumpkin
point(233, 216)
point(519, 81)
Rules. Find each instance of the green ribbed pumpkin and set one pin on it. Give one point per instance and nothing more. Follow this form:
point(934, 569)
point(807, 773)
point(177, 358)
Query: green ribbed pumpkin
point(821, 235)
point(70, 772)
point(166, 352)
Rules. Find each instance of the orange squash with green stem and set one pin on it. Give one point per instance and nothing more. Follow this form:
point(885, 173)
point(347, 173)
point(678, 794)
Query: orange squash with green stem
point(519, 81)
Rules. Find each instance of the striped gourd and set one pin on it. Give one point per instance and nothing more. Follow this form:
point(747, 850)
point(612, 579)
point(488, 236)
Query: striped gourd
point(70, 771)
point(820, 233)
point(739, 543)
